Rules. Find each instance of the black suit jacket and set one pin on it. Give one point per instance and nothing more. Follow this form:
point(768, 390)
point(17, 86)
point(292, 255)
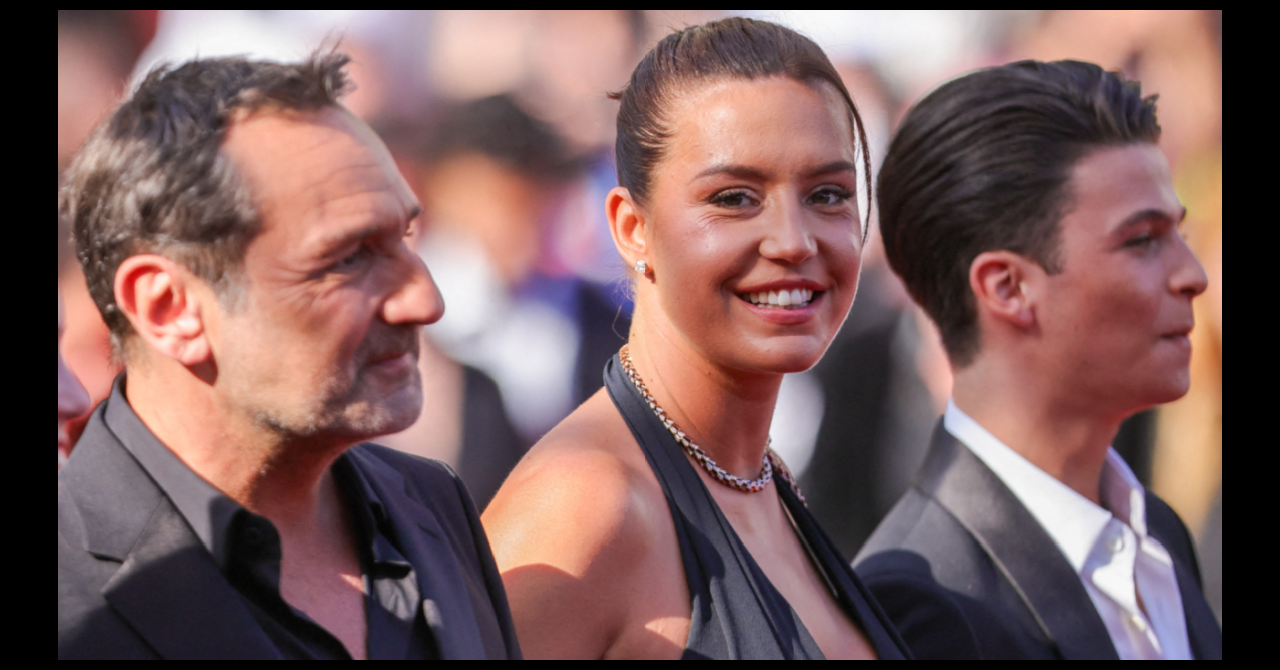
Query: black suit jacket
point(134, 581)
point(965, 571)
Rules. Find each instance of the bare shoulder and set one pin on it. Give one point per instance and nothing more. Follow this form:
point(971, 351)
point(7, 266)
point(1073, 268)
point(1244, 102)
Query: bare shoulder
point(576, 482)
point(573, 530)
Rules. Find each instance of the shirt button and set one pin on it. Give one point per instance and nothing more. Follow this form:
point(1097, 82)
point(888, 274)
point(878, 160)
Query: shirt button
point(1115, 543)
point(1138, 623)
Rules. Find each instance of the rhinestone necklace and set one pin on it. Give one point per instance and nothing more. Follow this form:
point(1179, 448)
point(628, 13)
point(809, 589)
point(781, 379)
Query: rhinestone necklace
point(771, 460)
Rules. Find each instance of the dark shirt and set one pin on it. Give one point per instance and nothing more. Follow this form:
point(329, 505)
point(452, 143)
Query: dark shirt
point(246, 548)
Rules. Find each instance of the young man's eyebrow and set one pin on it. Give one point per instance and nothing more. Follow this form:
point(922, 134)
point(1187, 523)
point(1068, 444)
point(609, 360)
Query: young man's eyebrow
point(1152, 214)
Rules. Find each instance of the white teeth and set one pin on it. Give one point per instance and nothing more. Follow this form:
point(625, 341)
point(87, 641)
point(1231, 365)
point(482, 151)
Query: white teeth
point(800, 297)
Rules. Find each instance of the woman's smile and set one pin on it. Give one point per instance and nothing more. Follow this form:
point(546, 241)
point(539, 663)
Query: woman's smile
point(756, 207)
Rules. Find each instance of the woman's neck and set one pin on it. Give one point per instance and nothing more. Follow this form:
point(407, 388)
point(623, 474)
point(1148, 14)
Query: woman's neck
point(726, 413)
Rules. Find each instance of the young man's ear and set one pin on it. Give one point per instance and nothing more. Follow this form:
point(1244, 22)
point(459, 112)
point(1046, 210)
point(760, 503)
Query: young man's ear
point(628, 227)
point(999, 280)
point(165, 305)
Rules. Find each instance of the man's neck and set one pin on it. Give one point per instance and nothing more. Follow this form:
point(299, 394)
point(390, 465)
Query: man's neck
point(1025, 412)
point(251, 465)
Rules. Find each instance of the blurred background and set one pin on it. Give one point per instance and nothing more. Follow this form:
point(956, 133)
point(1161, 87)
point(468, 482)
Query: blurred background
point(500, 122)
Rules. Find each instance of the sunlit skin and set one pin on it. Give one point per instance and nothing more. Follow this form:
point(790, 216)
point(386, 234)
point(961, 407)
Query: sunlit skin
point(757, 192)
point(1065, 358)
point(73, 400)
point(314, 350)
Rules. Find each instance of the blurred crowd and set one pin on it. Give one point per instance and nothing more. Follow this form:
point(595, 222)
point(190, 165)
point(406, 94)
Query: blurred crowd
point(501, 123)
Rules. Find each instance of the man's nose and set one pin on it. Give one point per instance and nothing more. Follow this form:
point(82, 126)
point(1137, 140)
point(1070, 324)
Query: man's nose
point(417, 299)
point(1189, 277)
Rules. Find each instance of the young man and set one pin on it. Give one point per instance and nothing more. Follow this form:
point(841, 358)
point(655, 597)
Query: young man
point(1030, 213)
point(243, 236)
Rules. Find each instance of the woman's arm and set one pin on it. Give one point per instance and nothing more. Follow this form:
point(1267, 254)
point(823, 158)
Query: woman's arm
point(570, 535)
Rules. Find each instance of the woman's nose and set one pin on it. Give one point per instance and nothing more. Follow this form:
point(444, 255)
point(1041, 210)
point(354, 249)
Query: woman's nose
point(789, 239)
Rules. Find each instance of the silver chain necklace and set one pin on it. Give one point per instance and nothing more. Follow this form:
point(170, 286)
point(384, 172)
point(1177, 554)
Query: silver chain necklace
point(771, 460)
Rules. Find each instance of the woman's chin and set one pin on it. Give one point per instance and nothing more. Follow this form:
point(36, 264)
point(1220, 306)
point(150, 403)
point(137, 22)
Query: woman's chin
point(785, 355)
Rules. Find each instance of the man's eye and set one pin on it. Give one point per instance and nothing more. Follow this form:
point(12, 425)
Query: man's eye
point(353, 259)
point(1140, 241)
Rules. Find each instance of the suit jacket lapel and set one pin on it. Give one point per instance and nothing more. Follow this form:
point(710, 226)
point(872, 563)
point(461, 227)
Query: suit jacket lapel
point(168, 587)
point(1202, 626)
point(1018, 546)
point(171, 592)
point(441, 580)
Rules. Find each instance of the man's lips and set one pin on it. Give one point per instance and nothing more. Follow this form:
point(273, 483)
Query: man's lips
point(388, 359)
point(1180, 331)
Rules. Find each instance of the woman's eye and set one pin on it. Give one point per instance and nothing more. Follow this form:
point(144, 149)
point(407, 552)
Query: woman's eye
point(831, 196)
point(732, 199)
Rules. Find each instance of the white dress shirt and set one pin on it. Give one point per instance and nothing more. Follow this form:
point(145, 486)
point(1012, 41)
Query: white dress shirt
point(1108, 547)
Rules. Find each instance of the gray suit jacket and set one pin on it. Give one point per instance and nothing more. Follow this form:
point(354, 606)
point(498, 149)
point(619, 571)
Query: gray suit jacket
point(965, 571)
point(134, 581)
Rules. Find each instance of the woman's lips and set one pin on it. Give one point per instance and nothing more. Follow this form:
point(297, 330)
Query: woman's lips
point(790, 314)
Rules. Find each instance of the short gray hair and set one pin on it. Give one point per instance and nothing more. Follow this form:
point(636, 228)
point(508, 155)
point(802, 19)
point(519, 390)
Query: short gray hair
point(153, 179)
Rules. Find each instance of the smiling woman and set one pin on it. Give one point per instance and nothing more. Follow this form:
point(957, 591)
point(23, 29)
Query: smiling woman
point(738, 148)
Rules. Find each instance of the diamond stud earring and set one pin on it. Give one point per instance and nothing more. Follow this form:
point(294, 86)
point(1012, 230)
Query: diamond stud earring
point(641, 267)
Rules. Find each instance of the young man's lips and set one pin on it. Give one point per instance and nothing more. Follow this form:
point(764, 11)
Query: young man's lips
point(1178, 333)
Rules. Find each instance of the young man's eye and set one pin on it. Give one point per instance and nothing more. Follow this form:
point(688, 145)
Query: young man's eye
point(1144, 241)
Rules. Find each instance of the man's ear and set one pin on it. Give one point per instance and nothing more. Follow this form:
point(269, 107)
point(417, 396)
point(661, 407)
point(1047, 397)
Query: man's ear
point(999, 280)
point(627, 225)
point(164, 305)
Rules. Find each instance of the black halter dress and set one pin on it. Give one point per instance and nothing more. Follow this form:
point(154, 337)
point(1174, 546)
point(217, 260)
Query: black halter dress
point(737, 612)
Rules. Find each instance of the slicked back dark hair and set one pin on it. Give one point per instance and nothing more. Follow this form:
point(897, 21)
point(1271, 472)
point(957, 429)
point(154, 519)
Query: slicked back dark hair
point(732, 48)
point(983, 163)
point(153, 178)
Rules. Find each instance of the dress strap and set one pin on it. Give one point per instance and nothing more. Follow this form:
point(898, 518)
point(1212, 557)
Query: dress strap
point(736, 612)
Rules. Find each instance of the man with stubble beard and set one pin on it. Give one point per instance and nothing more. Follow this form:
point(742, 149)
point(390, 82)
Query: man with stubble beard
point(243, 236)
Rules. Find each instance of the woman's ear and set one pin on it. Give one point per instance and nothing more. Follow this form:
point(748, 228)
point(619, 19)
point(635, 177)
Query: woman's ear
point(999, 280)
point(627, 225)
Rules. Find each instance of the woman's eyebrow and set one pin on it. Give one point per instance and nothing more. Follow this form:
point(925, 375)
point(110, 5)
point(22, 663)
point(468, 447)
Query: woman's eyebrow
point(747, 172)
point(835, 166)
point(740, 171)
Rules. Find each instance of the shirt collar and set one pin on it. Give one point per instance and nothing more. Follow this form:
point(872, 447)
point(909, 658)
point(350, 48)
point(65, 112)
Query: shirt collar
point(211, 514)
point(371, 517)
point(1073, 521)
point(208, 511)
